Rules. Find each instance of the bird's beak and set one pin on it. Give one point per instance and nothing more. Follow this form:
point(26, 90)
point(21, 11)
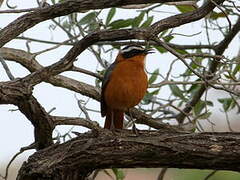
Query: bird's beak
point(149, 51)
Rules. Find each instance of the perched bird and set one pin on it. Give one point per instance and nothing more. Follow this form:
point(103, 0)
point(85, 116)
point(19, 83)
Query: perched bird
point(124, 85)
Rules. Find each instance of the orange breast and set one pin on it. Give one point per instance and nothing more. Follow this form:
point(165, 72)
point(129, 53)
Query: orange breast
point(127, 85)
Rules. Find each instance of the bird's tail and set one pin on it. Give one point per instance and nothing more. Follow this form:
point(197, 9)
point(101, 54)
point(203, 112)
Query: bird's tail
point(117, 116)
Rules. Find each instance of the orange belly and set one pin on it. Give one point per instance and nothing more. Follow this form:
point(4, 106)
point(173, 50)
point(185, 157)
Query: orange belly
point(127, 85)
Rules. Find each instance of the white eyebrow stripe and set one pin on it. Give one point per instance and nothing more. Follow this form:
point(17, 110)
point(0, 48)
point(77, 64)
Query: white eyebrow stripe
point(132, 48)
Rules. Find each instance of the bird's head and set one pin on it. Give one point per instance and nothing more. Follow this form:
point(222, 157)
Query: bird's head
point(134, 50)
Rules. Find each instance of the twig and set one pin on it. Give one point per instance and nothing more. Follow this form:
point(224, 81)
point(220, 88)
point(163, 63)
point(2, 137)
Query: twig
point(56, 46)
point(124, 43)
point(31, 146)
point(170, 69)
point(44, 41)
point(51, 110)
point(162, 173)
point(18, 10)
point(95, 173)
point(205, 55)
point(185, 35)
point(191, 69)
point(210, 174)
point(163, 44)
point(6, 68)
point(219, 7)
point(10, 6)
point(228, 122)
point(237, 8)
point(82, 107)
point(59, 120)
point(77, 69)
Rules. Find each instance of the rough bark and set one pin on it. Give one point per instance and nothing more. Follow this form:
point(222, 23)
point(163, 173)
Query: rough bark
point(18, 93)
point(60, 9)
point(80, 156)
point(67, 7)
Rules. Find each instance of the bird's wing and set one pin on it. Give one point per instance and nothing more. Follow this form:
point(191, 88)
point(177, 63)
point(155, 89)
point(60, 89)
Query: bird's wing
point(105, 81)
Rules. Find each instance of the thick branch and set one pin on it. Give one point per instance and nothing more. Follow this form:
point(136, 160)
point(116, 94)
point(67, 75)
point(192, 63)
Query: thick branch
point(110, 35)
point(41, 120)
point(184, 17)
point(67, 7)
point(88, 152)
point(29, 62)
point(17, 93)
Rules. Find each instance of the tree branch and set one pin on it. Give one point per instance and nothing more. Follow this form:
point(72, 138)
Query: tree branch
point(184, 18)
point(60, 9)
point(29, 62)
point(123, 43)
point(66, 62)
point(82, 155)
point(16, 92)
point(59, 120)
point(219, 50)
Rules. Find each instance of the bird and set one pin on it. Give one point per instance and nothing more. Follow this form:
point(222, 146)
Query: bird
point(124, 85)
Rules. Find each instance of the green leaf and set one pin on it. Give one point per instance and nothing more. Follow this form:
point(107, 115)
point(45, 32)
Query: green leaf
point(65, 24)
point(119, 174)
point(155, 92)
point(148, 96)
point(87, 19)
point(168, 38)
point(209, 103)
point(121, 23)
point(153, 76)
point(147, 23)
point(215, 15)
point(177, 92)
point(194, 65)
point(228, 103)
point(163, 33)
point(160, 49)
point(110, 15)
point(236, 69)
point(199, 107)
point(194, 87)
point(204, 115)
point(137, 20)
point(185, 8)
point(181, 51)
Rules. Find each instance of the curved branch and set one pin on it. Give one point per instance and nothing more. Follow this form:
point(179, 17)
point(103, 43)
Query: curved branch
point(155, 149)
point(67, 7)
point(15, 92)
point(66, 62)
point(184, 18)
point(59, 120)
